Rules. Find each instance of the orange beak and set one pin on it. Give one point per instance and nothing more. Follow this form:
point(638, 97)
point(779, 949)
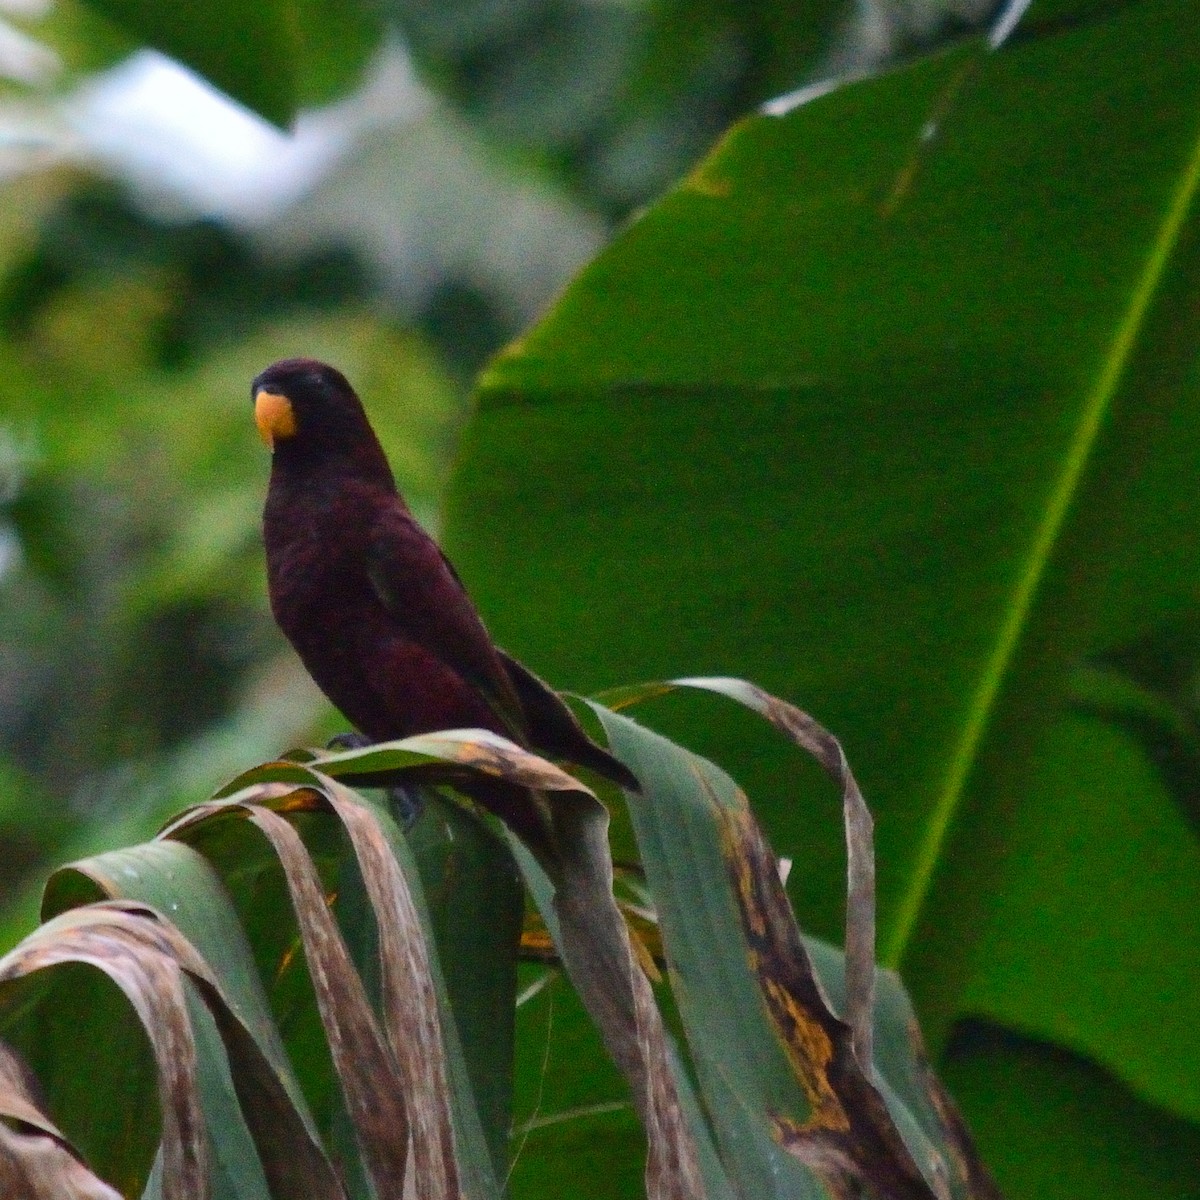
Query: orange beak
point(274, 416)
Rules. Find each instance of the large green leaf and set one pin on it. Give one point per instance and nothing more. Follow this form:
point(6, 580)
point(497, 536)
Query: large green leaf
point(272, 56)
point(1017, 1090)
point(891, 407)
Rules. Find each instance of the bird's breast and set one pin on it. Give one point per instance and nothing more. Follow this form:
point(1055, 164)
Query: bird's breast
point(361, 652)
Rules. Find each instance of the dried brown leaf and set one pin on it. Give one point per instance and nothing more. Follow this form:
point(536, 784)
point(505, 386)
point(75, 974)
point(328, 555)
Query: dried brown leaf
point(122, 941)
point(596, 945)
point(293, 1161)
point(602, 962)
point(411, 1017)
point(290, 1153)
point(450, 755)
point(370, 1080)
point(36, 1161)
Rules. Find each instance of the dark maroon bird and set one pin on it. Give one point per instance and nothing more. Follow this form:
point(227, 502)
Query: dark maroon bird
point(374, 609)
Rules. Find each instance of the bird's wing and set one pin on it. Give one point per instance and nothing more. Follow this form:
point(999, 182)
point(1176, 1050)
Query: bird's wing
point(424, 596)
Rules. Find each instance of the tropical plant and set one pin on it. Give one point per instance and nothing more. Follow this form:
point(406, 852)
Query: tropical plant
point(888, 405)
point(891, 406)
point(238, 942)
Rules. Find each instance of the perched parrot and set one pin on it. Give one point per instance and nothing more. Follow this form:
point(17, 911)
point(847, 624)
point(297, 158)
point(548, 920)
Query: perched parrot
point(376, 612)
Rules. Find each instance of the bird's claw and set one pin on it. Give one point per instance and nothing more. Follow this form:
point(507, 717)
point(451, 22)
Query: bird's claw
point(407, 805)
point(350, 740)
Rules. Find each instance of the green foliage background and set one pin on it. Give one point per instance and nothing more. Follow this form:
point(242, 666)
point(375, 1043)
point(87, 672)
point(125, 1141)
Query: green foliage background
point(888, 406)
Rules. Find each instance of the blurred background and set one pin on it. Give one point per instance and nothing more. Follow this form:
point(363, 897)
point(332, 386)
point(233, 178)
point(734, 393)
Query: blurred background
point(450, 167)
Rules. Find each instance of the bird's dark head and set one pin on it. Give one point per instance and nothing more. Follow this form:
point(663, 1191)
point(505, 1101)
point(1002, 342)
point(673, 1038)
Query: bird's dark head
point(302, 402)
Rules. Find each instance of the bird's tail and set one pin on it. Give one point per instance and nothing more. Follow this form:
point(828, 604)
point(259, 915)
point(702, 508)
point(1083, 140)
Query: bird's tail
point(554, 729)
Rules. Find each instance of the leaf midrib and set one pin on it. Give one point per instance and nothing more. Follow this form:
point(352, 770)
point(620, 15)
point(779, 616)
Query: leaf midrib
point(1097, 405)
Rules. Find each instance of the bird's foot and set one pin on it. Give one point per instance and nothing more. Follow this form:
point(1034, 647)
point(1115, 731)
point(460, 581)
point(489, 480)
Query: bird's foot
point(350, 740)
point(407, 805)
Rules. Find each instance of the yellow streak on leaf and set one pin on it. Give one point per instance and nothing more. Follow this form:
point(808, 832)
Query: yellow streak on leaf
point(810, 1052)
point(805, 1042)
